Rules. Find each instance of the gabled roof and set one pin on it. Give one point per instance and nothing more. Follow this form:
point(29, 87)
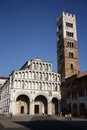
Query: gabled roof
point(28, 63)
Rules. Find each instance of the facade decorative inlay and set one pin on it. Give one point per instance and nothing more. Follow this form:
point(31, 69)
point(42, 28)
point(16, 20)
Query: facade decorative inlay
point(34, 89)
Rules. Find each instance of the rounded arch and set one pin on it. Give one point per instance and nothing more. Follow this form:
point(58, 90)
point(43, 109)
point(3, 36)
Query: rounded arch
point(74, 109)
point(82, 109)
point(22, 104)
point(41, 93)
point(40, 104)
point(71, 65)
point(54, 105)
point(21, 93)
point(69, 107)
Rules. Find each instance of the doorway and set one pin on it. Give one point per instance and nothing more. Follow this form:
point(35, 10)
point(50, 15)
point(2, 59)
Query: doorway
point(36, 109)
point(22, 109)
point(40, 105)
point(22, 104)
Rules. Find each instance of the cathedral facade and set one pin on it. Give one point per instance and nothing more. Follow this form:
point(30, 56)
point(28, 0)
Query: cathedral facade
point(34, 89)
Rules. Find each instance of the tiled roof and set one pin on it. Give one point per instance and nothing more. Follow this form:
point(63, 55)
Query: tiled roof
point(82, 74)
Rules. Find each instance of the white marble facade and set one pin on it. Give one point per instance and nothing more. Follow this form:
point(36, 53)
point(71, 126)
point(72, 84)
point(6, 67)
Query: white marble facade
point(34, 89)
point(2, 81)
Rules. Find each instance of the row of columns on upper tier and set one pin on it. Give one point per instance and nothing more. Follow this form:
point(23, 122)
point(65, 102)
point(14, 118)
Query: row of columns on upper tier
point(37, 75)
point(37, 85)
point(39, 66)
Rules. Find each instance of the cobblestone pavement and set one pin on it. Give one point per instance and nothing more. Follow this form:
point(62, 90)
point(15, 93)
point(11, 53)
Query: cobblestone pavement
point(42, 123)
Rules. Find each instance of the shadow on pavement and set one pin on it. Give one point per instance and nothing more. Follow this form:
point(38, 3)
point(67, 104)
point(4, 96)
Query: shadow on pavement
point(49, 125)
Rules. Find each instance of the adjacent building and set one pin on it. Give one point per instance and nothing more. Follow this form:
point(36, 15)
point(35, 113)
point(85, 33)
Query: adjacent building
point(75, 93)
point(34, 89)
point(2, 81)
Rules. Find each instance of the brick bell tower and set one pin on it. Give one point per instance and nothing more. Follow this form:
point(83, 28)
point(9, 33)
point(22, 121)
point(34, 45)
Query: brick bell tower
point(67, 48)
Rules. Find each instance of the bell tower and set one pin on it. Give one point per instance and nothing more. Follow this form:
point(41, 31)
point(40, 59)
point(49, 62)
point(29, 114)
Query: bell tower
point(67, 48)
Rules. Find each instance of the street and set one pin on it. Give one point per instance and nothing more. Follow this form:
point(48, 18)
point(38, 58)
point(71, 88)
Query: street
point(41, 123)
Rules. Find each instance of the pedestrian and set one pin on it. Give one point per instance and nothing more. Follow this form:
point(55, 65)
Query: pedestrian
point(70, 116)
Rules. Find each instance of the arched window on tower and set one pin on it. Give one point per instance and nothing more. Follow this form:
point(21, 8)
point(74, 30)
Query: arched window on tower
point(71, 66)
point(71, 55)
point(70, 44)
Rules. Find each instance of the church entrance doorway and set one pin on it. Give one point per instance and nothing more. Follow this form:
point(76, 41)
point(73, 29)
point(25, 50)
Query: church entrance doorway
point(54, 106)
point(22, 104)
point(40, 106)
point(36, 109)
point(22, 109)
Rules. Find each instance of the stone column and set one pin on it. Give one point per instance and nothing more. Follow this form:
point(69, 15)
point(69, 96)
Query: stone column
point(78, 103)
point(13, 107)
point(32, 107)
point(50, 108)
point(59, 106)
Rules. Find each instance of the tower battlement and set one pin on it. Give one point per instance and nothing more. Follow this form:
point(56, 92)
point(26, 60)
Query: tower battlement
point(68, 15)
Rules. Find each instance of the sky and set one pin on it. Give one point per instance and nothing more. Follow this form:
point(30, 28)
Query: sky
point(28, 30)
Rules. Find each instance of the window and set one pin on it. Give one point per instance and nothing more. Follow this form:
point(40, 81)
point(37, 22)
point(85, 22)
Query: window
point(71, 66)
point(70, 54)
point(69, 25)
point(69, 34)
point(70, 44)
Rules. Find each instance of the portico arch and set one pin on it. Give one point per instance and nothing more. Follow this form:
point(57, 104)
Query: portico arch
point(22, 104)
point(54, 106)
point(40, 105)
point(74, 109)
point(82, 109)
